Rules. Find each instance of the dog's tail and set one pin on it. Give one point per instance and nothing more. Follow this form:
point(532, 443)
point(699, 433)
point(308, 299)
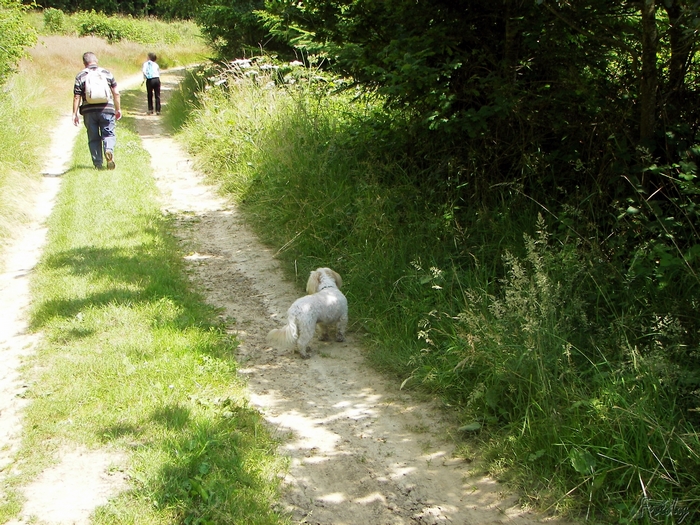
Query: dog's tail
point(284, 337)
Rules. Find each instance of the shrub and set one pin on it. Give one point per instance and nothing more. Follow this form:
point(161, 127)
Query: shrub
point(144, 31)
point(55, 21)
point(15, 35)
point(113, 29)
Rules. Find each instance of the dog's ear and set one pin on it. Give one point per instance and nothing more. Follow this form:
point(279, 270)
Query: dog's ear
point(313, 282)
point(337, 278)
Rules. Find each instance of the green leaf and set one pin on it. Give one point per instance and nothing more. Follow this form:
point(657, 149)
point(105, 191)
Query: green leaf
point(582, 461)
point(536, 455)
point(599, 481)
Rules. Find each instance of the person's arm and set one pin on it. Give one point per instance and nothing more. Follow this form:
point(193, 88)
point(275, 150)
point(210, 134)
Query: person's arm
point(76, 109)
point(117, 102)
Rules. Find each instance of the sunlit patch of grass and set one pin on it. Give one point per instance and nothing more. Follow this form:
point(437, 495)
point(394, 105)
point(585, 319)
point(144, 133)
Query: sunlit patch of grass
point(20, 125)
point(62, 56)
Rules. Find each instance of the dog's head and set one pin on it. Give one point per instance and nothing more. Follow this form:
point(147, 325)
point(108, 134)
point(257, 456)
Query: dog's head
point(318, 277)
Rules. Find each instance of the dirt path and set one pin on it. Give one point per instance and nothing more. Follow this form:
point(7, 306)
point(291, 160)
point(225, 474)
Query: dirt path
point(361, 451)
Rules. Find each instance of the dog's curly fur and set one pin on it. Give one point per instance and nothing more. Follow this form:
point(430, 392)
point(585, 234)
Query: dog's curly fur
point(325, 305)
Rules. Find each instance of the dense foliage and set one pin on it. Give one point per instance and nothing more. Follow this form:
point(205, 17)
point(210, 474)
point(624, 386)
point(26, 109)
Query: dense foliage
point(561, 84)
point(232, 26)
point(591, 104)
point(168, 9)
point(15, 35)
point(588, 108)
point(117, 28)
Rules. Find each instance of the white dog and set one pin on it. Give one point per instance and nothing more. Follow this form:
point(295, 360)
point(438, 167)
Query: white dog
point(325, 305)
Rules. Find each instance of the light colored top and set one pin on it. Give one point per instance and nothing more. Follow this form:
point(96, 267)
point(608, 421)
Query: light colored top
point(151, 69)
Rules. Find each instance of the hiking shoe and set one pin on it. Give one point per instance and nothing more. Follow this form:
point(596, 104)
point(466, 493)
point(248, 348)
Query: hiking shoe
point(109, 155)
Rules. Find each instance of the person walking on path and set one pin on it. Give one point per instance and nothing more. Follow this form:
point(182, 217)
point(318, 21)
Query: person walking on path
point(96, 97)
point(151, 72)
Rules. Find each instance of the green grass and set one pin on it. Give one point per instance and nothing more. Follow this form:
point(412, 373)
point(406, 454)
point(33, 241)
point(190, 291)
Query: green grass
point(132, 360)
point(20, 124)
point(528, 335)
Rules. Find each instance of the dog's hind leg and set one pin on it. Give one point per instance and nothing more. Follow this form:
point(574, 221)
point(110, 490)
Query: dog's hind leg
point(306, 333)
point(340, 329)
point(325, 332)
point(303, 350)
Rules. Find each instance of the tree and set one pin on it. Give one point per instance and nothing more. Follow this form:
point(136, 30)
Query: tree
point(236, 28)
point(15, 35)
point(551, 76)
point(649, 74)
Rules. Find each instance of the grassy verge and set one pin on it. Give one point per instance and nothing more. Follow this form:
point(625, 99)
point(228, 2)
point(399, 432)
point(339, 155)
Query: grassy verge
point(566, 382)
point(132, 360)
point(19, 161)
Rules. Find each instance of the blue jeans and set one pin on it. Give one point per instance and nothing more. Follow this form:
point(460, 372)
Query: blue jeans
point(100, 131)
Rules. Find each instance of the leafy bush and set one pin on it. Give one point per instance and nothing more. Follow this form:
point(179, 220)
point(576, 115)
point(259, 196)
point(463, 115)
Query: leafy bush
point(55, 21)
point(144, 31)
point(113, 29)
point(235, 29)
point(15, 35)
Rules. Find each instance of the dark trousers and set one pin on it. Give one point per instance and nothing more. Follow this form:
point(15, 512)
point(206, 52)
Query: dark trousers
point(153, 88)
point(101, 133)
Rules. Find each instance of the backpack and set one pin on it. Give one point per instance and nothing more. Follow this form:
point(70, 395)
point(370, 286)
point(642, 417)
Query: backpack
point(97, 90)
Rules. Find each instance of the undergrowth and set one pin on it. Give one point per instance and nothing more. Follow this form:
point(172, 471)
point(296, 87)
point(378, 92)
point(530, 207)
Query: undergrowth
point(575, 376)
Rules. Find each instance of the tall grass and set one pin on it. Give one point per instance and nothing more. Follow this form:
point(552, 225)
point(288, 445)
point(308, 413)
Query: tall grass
point(294, 158)
point(20, 125)
point(527, 335)
point(592, 413)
